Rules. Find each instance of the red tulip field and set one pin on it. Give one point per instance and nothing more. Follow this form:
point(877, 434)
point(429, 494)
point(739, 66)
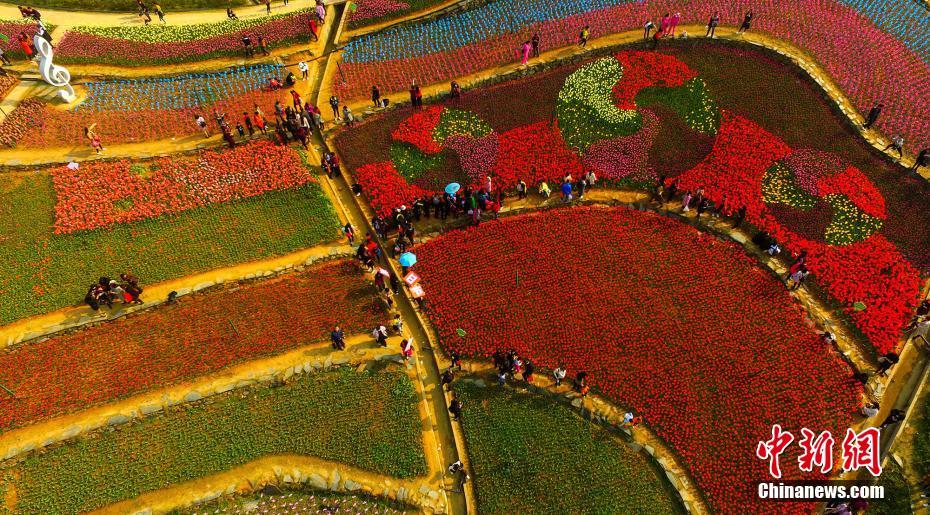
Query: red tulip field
point(722, 119)
point(684, 329)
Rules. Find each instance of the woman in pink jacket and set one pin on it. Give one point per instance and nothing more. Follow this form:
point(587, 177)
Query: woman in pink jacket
point(674, 23)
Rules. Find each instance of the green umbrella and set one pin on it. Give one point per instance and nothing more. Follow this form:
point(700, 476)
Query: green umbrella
point(460, 332)
point(859, 306)
point(5, 38)
point(352, 7)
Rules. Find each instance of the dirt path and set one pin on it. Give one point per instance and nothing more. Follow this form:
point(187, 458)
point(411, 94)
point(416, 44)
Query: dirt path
point(112, 19)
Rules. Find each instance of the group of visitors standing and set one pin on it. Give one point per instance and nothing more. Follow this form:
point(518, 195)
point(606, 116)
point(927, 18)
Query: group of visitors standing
point(668, 26)
point(106, 291)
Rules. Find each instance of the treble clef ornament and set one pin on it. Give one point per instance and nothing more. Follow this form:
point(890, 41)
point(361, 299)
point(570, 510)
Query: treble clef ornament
point(57, 76)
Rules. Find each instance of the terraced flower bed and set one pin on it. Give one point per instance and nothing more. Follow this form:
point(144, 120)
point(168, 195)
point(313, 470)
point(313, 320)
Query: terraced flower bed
point(144, 110)
point(872, 48)
point(46, 271)
point(734, 121)
point(12, 29)
point(177, 342)
point(371, 12)
point(528, 454)
point(177, 91)
point(147, 45)
point(367, 420)
point(686, 330)
point(124, 192)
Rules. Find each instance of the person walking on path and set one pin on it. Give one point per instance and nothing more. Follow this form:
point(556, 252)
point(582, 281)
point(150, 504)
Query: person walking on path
point(897, 144)
point(334, 103)
point(559, 375)
point(544, 189)
point(923, 159)
point(894, 416)
point(521, 190)
point(673, 24)
point(874, 113)
point(885, 362)
point(380, 334)
point(248, 124)
point(455, 408)
point(416, 96)
point(456, 360)
point(158, 10)
point(263, 45)
point(664, 24)
point(528, 369)
point(747, 22)
point(583, 37)
point(202, 123)
point(314, 29)
point(230, 14)
point(647, 29)
point(376, 96)
point(406, 348)
point(297, 101)
point(247, 44)
point(712, 25)
point(304, 70)
point(535, 42)
point(567, 192)
point(445, 380)
point(525, 50)
point(338, 337)
point(398, 324)
point(321, 12)
point(349, 231)
point(348, 116)
point(267, 6)
point(260, 122)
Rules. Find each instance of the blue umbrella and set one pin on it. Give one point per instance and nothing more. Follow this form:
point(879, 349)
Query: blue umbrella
point(407, 259)
point(453, 188)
